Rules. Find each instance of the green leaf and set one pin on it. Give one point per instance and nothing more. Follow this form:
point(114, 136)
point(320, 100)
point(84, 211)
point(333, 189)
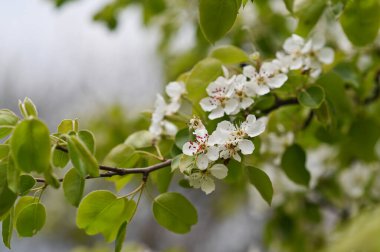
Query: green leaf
point(6, 195)
point(122, 156)
point(216, 17)
point(175, 162)
point(308, 15)
point(200, 77)
point(30, 220)
point(289, 5)
point(129, 210)
point(27, 108)
point(51, 179)
point(8, 120)
point(140, 139)
point(7, 229)
point(361, 21)
point(293, 163)
point(22, 203)
point(120, 237)
point(26, 183)
point(312, 97)
point(262, 182)
point(81, 157)
point(182, 137)
point(162, 179)
point(101, 212)
point(13, 176)
point(30, 146)
point(60, 158)
point(174, 212)
point(68, 125)
point(186, 163)
point(4, 151)
point(88, 139)
point(73, 186)
point(229, 54)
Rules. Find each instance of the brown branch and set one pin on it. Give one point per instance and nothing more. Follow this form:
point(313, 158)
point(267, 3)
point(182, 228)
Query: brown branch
point(279, 103)
point(112, 171)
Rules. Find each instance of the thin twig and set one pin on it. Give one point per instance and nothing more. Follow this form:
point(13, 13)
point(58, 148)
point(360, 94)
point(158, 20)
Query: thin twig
point(279, 103)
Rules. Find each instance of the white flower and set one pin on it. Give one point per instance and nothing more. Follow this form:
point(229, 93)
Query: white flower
point(308, 56)
point(175, 90)
point(159, 126)
point(232, 139)
point(243, 92)
point(220, 98)
point(201, 149)
point(268, 77)
point(354, 180)
point(205, 179)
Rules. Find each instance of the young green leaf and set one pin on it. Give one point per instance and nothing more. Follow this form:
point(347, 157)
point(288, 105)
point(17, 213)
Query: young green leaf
point(88, 139)
point(293, 163)
point(312, 97)
point(27, 108)
point(120, 237)
point(175, 162)
point(22, 203)
point(4, 151)
point(200, 77)
point(361, 21)
point(30, 146)
point(229, 54)
point(81, 157)
point(73, 186)
point(174, 212)
point(30, 220)
point(6, 195)
point(8, 120)
point(60, 158)
point(289, 5)
point(68, 125)
point(26, 183)
point(7, 229)
point(262, 182)
point(101, 212)
point(13, 176)
point(182, 137)
point(216, 17)
point(308, 15)
point(140, 139)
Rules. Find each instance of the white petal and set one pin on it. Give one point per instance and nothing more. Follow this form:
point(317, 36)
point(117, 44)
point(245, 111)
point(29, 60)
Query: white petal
point(219, 171)
point(226, 126)
point(293, 43)
point(170, 128)
point(190, 148)
point(237, 157)
point(318, 43)
point(261, 89)
point(173, 107)
point(207, 185)
point(202, 161)
point(249, 71)
point(267, 68)
point(246, 102)
point(326, 55)
point(225, 72)
point(207, 104)
point(216, 113)
point(195, 180)
point(212, 153)
point(257, 127)
point(175, 89)
point(295, 63)
point(231, 106)
point(225, 154)
point(246, 146)
point(277, 81)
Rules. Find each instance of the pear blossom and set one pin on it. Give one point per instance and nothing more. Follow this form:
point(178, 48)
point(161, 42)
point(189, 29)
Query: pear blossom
point(221, 99)
point(204, 179)
point(306, 55)
point(243, 92)
point(159, 126)
point(231, 139)
point(266, 78)
point(203, 151)
point(175, 90)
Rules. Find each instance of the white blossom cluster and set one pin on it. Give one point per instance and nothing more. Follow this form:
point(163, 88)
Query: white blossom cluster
point(159, 125)
point(229, 95)
point(226, 142)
